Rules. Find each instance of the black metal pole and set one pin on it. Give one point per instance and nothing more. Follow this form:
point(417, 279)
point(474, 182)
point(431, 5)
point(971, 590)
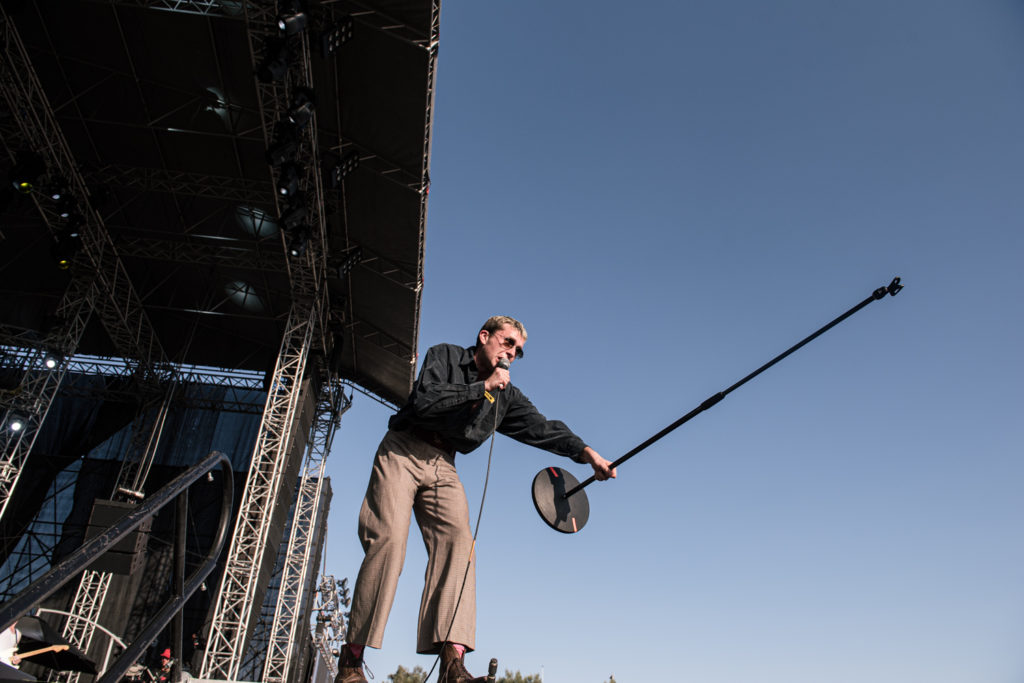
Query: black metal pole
point(177, 623)
point(893, 288)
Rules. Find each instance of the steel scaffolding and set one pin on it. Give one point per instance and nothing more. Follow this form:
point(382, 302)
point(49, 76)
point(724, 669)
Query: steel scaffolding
point(100, 280)
point(306, 330)
point(299, 562)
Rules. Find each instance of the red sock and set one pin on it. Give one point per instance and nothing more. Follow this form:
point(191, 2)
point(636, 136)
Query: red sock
point(356, 649)
point(461, 649)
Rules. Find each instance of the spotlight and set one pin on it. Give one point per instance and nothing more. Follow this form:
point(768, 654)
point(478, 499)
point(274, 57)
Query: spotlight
point(342, 169)
point(52, 359)
point(299, 241)
point(303, 104)
point(288, 181)
point(295, 214)
point(276, 56)
point(68, 244)
point(335, 36)
point(66, 206)
point(28, 166)
point(58, 189)
point(16, 422)
point(285, 146)
point(292, 22)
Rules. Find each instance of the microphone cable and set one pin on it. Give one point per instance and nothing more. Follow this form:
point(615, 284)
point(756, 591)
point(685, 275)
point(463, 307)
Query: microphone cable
point(476, 529)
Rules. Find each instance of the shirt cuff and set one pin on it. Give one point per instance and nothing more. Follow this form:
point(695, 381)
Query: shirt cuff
point(476, 391)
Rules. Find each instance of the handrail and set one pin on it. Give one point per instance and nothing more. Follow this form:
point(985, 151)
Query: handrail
point(77, 561)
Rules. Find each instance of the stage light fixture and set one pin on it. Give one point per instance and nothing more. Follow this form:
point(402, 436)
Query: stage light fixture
point(58, 189)
point(335, 36)
point(288, 181)
point(66, 206)
point(283, 150)
point(68, 244)
point(52, 360)
point(299, 241)
point(16, 422)
point(301, 109)
point(342, 169)
point(292, 21)
point(28, 166)
point(294, 215)
point(276, 55)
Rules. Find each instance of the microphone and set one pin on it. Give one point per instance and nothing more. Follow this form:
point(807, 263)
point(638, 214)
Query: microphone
point(493, 668)
point(503, 363)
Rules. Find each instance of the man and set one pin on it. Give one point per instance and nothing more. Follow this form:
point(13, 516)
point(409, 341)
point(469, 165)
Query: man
point(166, 666)
point(9, 638)
point(461, 396)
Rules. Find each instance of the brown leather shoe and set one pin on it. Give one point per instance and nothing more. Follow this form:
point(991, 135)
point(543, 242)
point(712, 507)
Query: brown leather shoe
point(350, 667)
point(453, 669)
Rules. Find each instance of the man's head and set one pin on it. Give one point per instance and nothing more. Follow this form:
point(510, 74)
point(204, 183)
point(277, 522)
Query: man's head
point(500, 337)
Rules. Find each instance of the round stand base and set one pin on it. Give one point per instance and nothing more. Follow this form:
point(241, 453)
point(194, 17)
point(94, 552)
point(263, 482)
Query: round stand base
point(567, 515)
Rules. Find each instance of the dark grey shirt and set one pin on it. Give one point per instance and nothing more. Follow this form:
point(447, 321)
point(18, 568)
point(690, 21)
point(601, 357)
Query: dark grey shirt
point(448, 398)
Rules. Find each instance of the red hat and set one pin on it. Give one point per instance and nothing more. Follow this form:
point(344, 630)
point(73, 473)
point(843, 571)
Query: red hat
point(166, 654)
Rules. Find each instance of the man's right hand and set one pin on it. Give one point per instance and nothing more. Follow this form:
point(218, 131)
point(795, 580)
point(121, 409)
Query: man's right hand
point(498, 380)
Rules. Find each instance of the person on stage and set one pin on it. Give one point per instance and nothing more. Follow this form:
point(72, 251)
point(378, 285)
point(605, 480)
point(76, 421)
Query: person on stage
point(9, 638)
point(460, 397)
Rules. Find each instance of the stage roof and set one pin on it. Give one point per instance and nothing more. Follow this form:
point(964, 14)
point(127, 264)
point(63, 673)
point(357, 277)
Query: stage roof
point(161, 110)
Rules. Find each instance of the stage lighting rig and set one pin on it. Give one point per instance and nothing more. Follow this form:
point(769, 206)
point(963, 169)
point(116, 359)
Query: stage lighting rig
point(298, 241)
point(52, 360)
point(28, 166)
point(302, 107)
point(294, 214)
point(67, 246)
point(16, 422)
point(292, 17)
point(341, 169)
point(58, 190)
point(66, 206)
point(285, 147)
point(336, 35)
point(277, 53)
point(288, 181)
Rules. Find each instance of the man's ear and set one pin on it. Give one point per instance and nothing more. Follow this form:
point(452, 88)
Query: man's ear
point(483, 337)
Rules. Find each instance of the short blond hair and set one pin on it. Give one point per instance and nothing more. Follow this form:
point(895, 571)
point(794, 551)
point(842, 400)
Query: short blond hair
point(496, 322)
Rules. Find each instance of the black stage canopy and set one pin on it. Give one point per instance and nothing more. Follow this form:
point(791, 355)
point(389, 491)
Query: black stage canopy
point(161, 110)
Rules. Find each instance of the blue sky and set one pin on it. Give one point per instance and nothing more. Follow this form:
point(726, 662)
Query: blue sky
point(668, 195)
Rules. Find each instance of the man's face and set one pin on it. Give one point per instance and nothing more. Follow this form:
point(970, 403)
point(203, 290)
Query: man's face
point(505, 342)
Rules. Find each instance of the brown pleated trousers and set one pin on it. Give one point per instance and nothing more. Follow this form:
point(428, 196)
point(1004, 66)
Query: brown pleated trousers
point(411, 475)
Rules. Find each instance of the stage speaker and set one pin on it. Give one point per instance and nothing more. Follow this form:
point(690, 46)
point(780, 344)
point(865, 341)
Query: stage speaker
point(129, 554)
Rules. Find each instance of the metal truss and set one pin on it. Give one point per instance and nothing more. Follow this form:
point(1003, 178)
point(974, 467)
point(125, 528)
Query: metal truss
point(85, 614)
point(236, 10)
point(299, 563)
point(91, 595)
point(100, 280)
point(241, 190)
point(428, 121)
point(329, 633)
point(306, 330)
point(243, 255)
point(32, 554)
point(241, 385)
point(39, 386)
point(236, 600)
point(120, 309)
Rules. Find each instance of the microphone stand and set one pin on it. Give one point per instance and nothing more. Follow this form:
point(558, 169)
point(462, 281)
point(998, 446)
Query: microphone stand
point(560, 499)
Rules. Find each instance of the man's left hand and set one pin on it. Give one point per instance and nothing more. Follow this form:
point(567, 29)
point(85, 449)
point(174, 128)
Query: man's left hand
point(602, 468)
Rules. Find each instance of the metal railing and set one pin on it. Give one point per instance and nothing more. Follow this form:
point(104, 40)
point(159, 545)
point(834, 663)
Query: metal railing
point(183, 588)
